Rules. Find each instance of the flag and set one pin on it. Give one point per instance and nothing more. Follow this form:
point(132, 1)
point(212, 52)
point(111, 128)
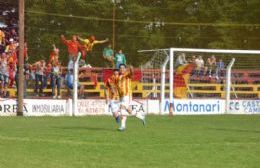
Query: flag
point(106, 74)
point(181, 79)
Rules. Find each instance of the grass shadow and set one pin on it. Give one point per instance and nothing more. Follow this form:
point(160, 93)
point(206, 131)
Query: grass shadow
point(86, 128)
point(234, 130)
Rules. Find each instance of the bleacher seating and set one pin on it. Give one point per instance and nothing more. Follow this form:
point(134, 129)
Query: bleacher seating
point(245, 84)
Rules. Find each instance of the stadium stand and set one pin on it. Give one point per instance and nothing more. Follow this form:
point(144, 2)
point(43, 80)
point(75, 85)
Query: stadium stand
point(146, 83)
point(246, 84)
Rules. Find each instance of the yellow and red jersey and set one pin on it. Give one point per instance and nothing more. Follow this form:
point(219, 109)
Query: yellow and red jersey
point(112, 88)
point(88, 44)
point(124, 85)
point(12, 58)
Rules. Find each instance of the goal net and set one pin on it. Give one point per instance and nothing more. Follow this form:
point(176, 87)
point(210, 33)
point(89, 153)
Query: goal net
point(202, 73)
point(151, 72)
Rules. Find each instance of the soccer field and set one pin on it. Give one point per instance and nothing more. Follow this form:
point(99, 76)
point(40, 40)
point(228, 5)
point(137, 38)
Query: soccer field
point(178, 141)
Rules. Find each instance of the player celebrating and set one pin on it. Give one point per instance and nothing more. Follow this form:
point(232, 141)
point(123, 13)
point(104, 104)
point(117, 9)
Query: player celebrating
point(88, 44)
point(112, 95)
point(125, 95)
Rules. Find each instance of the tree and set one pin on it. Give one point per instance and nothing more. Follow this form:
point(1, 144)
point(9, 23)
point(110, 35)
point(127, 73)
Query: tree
point(143, 25)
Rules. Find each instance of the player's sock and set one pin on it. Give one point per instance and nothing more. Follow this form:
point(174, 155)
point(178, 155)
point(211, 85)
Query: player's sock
point(123, 122)
point(117, 117)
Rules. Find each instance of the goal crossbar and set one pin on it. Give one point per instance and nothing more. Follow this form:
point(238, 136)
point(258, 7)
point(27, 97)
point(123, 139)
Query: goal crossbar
point(205, 50)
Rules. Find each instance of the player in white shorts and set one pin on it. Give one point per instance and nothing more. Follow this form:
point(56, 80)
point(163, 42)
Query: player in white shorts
point(112, 97)
point(125, 95)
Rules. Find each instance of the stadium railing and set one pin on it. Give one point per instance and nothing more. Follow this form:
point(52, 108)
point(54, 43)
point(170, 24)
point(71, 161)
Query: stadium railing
point(245, 84)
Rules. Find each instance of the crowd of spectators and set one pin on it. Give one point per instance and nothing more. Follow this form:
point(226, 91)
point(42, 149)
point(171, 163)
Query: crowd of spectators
point(8, 49)
point(210, 68)
point(47, 72)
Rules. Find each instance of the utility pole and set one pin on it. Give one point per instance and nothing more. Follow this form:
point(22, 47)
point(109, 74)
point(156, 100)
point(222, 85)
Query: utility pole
point(115, 2)
point(114, 27)
point(21, 59)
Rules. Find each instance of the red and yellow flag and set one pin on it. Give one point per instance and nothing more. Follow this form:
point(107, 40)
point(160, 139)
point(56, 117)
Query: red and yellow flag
point(181, 79)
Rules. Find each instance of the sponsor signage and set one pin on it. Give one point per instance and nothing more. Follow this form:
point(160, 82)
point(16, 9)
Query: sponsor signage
point(99, 107)
point(46, 107)
point(34, 107)
point(195, 106)
point(139, 106)
point(153, 107)
point(92, 107)
point(244, 107)
point(51, 107)
point(8, 107)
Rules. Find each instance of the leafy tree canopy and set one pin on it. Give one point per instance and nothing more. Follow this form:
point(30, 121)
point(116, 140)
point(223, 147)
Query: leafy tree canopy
point(143, 24)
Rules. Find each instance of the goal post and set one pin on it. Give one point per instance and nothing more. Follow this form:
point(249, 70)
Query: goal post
point(223, 86)
point(163, 74)
point(220, 51)
point(228, 84)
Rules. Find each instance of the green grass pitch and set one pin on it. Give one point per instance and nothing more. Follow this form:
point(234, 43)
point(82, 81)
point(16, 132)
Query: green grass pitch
point(166, 142)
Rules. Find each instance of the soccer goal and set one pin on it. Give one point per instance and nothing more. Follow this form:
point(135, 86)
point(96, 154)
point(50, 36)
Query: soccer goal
point(208, 73)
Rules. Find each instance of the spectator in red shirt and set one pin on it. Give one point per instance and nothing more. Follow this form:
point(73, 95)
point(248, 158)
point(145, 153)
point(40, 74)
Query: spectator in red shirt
point(12, 58)
point(73, 46)
point(11, 74)
point(54, 54)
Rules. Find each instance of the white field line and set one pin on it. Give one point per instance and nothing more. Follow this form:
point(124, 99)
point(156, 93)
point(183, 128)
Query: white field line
point(73, 142)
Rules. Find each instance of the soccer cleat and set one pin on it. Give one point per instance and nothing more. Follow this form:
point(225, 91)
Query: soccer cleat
point(121, 129)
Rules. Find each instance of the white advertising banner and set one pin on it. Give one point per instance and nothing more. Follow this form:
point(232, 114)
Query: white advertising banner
point(45, 107)
point(153, 107)
point(195, 106)
point(34, 107)
point(8, 107)
point(244, 107)
point(52, 107)
point(92, 107)
point(99, 107)
point(140, 106)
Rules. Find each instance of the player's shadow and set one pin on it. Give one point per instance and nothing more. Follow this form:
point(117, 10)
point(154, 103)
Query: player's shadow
point(83, 128)
point(235, 130)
